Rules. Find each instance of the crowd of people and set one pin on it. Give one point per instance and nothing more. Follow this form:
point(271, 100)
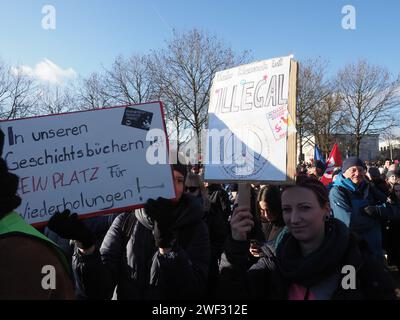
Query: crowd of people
point(303, 241)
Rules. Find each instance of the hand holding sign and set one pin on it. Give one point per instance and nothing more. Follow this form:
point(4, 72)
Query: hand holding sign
point(162, 212)
point(68, 226)
point(241, 223)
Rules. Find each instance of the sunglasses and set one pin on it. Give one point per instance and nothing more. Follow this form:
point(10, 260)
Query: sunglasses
point(192, 189)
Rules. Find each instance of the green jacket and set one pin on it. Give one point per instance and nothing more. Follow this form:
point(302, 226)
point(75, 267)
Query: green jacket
point(13, 223)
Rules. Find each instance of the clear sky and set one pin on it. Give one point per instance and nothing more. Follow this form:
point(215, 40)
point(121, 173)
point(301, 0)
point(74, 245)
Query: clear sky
point(91, 33)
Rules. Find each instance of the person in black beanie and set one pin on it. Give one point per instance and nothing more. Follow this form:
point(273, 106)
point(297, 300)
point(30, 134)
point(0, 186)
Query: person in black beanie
point(24, 251)
point(159, 252)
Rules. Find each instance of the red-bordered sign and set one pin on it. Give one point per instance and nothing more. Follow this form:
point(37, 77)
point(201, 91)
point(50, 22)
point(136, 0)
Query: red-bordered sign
point(92, 162)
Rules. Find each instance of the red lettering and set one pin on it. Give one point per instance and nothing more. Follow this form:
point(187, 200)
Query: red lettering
point(94, 173)
point(39, 184)
point(24, 187)
point(84, 174)
point(58, 177)
point(74, 177)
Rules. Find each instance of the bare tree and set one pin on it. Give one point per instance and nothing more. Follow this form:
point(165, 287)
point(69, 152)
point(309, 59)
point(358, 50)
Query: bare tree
point(329, 118)
point(5, 86)
point(17, 97)
point(92, 93)
point(184, 71)
point(370, 99)
point(129, 80)
point(52, 100)
point(312, 89)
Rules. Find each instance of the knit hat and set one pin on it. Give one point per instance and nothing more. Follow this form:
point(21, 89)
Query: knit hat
point(351, 162)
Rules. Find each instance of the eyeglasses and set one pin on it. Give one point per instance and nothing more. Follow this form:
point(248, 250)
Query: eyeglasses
point(192, 189)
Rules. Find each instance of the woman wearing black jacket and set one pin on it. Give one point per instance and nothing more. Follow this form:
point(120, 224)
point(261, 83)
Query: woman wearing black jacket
point(163, 254)
point(318, 259)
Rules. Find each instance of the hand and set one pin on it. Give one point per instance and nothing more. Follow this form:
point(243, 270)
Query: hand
point(372, 211)
point(241, 223)
point(255, 249)
point(68, 226)
point(163, 212)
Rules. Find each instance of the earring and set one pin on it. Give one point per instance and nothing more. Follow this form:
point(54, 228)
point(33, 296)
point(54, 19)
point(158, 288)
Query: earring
point(327, 217)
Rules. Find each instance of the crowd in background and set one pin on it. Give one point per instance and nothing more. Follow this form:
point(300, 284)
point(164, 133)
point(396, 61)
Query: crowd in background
point(292, 242)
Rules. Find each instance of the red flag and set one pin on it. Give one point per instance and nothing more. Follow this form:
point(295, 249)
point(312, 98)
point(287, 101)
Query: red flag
point(334, 160)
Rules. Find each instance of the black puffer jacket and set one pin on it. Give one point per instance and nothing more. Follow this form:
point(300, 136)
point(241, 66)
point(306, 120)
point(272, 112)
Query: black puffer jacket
point(272, 275)
point(136, 266)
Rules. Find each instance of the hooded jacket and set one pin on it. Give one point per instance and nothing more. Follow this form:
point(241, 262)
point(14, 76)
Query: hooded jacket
point(347, 201)
point(137, 268)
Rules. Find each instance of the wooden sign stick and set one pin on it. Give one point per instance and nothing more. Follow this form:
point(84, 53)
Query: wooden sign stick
point(244, 194)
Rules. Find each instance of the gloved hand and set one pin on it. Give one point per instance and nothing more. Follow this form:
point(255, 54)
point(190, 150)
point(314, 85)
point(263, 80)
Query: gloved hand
point(373, 211)
point(163, 212)
point(68, 226)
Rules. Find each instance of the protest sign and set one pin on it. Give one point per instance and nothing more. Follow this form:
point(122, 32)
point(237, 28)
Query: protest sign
point(252, 112)
point(91, 162)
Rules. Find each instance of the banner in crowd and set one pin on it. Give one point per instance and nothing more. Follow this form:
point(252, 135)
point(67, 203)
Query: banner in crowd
point(91, 162)
point(249, 122)
point(334, 161)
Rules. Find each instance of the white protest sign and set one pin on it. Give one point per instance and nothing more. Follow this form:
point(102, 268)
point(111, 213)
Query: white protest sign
point(90, 162)
point(249, 122)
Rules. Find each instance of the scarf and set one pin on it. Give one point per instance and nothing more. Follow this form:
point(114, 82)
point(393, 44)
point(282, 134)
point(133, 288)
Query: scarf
point(311, 269)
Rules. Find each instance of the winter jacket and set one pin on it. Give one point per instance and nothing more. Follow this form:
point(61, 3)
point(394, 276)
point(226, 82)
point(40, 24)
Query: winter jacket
point(218, 232)
point(27, 262)
point(99, 226)
point(320, 276)
point(133, 262)
point(220, 198)
point(347, 201)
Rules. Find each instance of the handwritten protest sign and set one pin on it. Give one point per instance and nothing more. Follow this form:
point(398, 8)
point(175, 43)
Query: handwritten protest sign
point(251, 123)
point(91, 162)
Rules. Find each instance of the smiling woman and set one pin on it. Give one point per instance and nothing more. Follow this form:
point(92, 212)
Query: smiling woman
point(305, 209)
point(311, 261)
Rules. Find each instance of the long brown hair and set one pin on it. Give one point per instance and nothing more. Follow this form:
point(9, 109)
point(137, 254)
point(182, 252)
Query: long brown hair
point(315, 186)
point(272, 196)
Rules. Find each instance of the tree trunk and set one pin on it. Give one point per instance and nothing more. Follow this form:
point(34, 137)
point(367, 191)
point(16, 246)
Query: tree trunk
point(358, 141)
point(198, 135)
point(300, 143)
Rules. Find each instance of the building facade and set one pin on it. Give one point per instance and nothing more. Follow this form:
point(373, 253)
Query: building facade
point(369, 147)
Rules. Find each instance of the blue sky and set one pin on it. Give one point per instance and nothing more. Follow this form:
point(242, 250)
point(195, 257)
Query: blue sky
point(91, 33)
